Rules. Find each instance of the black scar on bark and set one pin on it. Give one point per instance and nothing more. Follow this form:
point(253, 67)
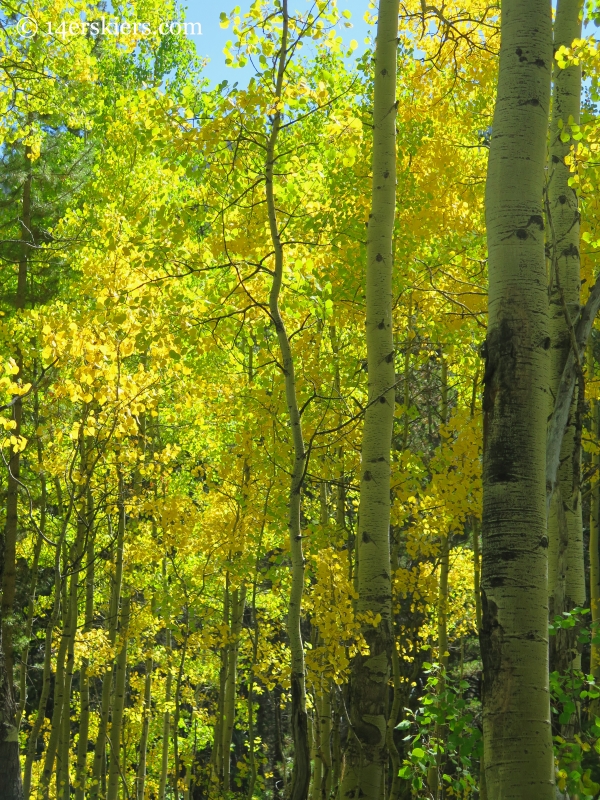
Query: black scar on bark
point(490, 639)
point(498, 380)
point(536, 219)
point(572, 251)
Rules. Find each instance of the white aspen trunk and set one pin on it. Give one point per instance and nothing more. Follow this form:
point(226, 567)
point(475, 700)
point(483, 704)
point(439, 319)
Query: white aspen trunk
point(566, 574)
point(367, 756)
point(238, 603)
point(141, 771)
point(84, 684)
point(98, 767)
point(114, 772)
point(164, 765)
point(11, 787)
point(37, 725)
point(519, 762)
point(299, 723)
point(62, 681)
point(595, 553)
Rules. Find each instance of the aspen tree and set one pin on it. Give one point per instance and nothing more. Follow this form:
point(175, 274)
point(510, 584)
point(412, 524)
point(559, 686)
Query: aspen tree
point(367, 757)
point(46, 675)
point(63, 788)
point(62, 682)
point(83, 531)
point(84, 682)
point(444, 554)
point(255, 641)
point(217, 748)
point(299, 721)
point(595, 552)
point(114, 777)
point(141, 770)
point(10, 768)
point(238, 603)
point(442, 610)
point(113, 614)
point(321, 719)
point(514, 637)
point(30, 613)
point(164, 765)
point(566, 578)
point(166, 729)
point(177, 716)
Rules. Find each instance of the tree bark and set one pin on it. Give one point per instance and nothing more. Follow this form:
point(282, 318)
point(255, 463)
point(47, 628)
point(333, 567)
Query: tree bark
point(595, 553)
point(114, 770)
point(84, 684)
point(60, 727)
point(514, 636)
point(11, 787)
point(566, 573)
point(299, 721)
point(164, 766)
point(238, 603)
point(141, 772)
point(367, 757)
point(37, 725)
point(9, 729)
point(113, 615)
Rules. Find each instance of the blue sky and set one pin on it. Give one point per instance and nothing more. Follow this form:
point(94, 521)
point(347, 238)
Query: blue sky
point(213, 37)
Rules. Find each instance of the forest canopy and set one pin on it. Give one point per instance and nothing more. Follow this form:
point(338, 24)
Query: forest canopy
point(299, 490)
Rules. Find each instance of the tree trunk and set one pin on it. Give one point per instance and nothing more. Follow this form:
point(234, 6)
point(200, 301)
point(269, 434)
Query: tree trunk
point(60, 727)
point(63, 788)
point(114, 771)
point(566, 572)
point(595, 553)
point(84, 683)
point(10, 769)
point(164, 767)
point(217, 749)
point(30, 612)
point(238, 602)
point(299, 722)
point(113, 614)
point(367, 757)
point(395, 787)
point(514, 636)
point(141, 772)
point(41, 715)
point(444, 553)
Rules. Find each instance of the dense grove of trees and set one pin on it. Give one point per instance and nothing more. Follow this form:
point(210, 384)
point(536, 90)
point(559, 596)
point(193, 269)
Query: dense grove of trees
point(300, 405)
